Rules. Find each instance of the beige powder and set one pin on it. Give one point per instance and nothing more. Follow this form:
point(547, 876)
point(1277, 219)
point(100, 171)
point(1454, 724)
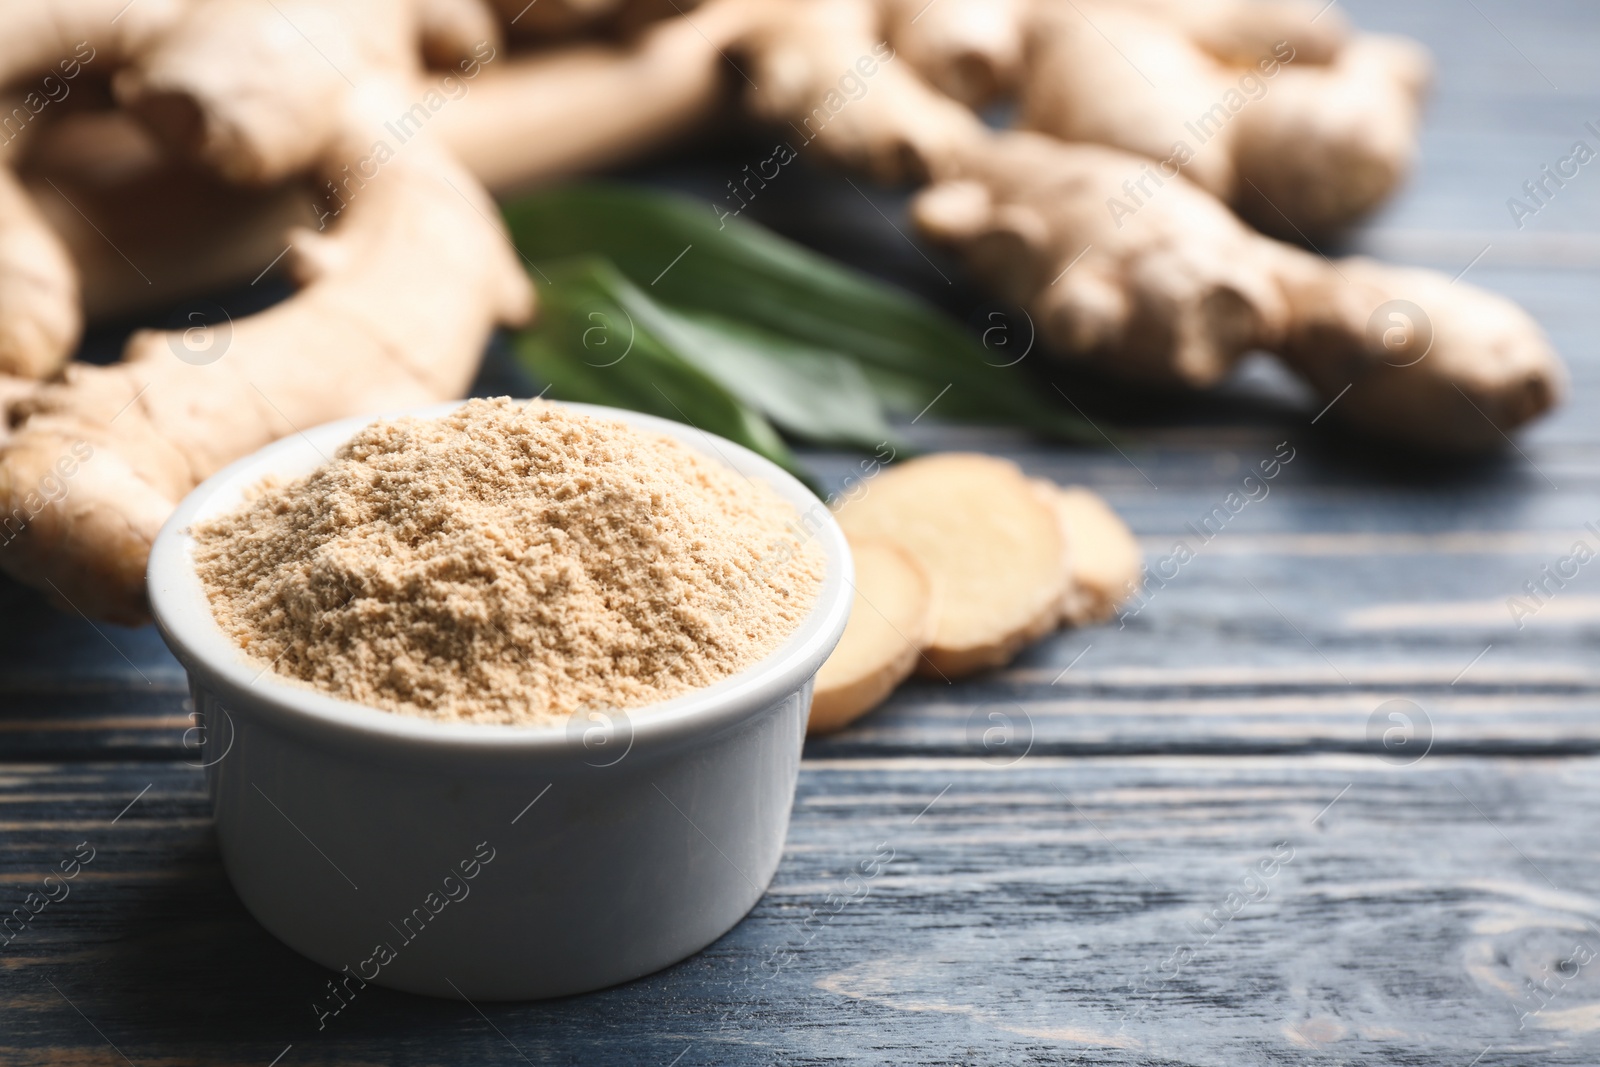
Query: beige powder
point(510, 563)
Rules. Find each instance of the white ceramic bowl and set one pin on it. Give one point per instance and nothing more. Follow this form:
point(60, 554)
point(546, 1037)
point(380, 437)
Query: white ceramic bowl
point(404, 852)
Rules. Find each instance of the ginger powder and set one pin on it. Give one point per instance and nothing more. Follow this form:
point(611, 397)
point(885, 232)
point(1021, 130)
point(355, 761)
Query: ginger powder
point(510, 563)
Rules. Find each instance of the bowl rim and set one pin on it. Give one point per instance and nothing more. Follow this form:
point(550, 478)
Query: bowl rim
point(183, 615)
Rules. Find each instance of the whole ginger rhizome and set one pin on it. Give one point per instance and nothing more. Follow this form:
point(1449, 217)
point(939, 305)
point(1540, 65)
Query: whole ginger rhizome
point(510, 563)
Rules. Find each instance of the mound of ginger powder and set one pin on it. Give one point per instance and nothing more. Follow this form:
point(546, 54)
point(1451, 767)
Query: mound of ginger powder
point(509, 563)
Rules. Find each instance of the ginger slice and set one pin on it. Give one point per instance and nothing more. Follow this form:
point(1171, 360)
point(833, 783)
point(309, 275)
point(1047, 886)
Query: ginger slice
point(1103, 558)
point(993, 548)
point(891, 620)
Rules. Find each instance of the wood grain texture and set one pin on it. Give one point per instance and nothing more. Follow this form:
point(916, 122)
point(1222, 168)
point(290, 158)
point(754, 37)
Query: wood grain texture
point(930, 911)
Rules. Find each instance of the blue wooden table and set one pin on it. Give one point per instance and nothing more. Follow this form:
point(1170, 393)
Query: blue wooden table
point(1194, 847)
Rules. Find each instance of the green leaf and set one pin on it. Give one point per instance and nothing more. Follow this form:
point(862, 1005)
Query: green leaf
point(736, 272)
point(808, 392)
point(591, 346)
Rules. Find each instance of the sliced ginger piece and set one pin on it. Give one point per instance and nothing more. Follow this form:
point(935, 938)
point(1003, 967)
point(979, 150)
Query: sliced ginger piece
point(992, 546)
point(891, 620)
point(1103, 558)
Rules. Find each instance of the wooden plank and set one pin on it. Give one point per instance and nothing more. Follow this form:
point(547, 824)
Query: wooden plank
point(1037, 913)
point(1088, 718)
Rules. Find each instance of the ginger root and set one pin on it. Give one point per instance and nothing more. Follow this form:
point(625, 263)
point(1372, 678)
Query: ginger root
point(1175, 288)
point(1426, 360)
point(1181, 289)
point(39, 317)
point(1300, 142)
point(970, 50)
point(191, 232)
point(826, 74)
point(1273, 107)
point(568, 110)
point(521, 119)
point(396, 302)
